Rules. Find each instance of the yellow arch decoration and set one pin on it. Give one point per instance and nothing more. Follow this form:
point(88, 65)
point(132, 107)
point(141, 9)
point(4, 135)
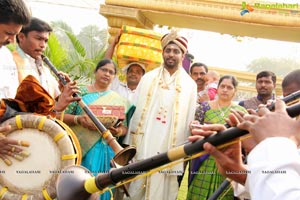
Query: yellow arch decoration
point(268, 20)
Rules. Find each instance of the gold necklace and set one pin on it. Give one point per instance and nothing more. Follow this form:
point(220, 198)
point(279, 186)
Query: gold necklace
point(147, 104)
point(220, 109)
point(166, 84)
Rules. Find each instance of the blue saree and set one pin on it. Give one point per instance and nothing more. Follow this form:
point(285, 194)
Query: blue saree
point(96, 152)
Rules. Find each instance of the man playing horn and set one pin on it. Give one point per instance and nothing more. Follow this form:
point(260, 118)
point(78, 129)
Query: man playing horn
point(32, 42)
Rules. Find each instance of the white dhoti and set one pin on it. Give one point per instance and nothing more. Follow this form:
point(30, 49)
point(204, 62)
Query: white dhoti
point(156, 186)
point(164, 109)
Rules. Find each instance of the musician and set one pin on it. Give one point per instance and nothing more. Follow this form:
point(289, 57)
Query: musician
point(9, 31)
point(291, 82)
point(229, 159)
point(166, 103)
point(32, 42)
point(273, 164)
point(13, 15)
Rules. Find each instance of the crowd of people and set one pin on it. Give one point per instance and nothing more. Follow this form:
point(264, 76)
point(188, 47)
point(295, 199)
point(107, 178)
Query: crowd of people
point(157, 110)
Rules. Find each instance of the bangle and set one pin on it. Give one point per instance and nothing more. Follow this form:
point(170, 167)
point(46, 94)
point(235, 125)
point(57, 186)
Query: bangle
point(76, 119)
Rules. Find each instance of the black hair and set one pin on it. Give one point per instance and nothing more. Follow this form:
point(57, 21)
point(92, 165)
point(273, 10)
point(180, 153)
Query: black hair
point(198, 64)
point(14, 11)
point(103, 62)
point(292, 77)
point(266, 74)
point(232, 78)
point(36, 25)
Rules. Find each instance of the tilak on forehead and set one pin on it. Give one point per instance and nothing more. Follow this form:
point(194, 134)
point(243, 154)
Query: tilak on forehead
point(175, 38)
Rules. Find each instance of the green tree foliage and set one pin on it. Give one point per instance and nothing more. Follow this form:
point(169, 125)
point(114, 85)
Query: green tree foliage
point(56, 53)
point(93, 39)
point(76, 55)
point(280, 66)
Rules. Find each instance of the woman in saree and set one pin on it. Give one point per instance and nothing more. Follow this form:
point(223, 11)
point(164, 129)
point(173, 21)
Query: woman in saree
point(97, 154)
point(204, 178)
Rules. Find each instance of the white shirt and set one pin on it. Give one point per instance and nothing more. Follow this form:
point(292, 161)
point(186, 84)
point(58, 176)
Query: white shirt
point(8, 74)
point(275, 168)
point(122, 89)
point(28, 66)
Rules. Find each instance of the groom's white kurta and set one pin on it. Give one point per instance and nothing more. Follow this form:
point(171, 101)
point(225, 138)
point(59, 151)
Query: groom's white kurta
point(164, 108)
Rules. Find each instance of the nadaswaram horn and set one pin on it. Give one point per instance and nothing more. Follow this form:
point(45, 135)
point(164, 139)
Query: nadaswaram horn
point(122, 155)
point(77, 183)
point(289, 100)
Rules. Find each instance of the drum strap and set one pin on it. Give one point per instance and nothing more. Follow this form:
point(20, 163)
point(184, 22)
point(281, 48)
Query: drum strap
point(74, 139)
point(42, 122)
point(19, 122)
point(69, 157)
point(58, 136)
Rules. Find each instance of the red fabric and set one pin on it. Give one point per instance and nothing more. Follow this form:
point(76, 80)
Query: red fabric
point(32, 97)
point(212, 93)
point(2, 108)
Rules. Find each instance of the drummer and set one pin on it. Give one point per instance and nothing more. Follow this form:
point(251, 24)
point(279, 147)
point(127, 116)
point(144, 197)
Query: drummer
point(40, 86)
point(11, 23)
point(13, 15)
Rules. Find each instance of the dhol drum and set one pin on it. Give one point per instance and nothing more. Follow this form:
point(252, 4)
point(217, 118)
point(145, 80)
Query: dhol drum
point(53, 146)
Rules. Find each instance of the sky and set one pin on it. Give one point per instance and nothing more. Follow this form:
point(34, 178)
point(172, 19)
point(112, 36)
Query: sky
point(226, 51)
point(213, 49)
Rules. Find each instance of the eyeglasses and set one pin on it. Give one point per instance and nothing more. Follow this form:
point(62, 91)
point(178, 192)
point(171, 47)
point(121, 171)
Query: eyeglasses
point(105, 70)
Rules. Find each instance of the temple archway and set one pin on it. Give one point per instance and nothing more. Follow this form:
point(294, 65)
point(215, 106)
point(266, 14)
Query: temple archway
point(278, 21)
